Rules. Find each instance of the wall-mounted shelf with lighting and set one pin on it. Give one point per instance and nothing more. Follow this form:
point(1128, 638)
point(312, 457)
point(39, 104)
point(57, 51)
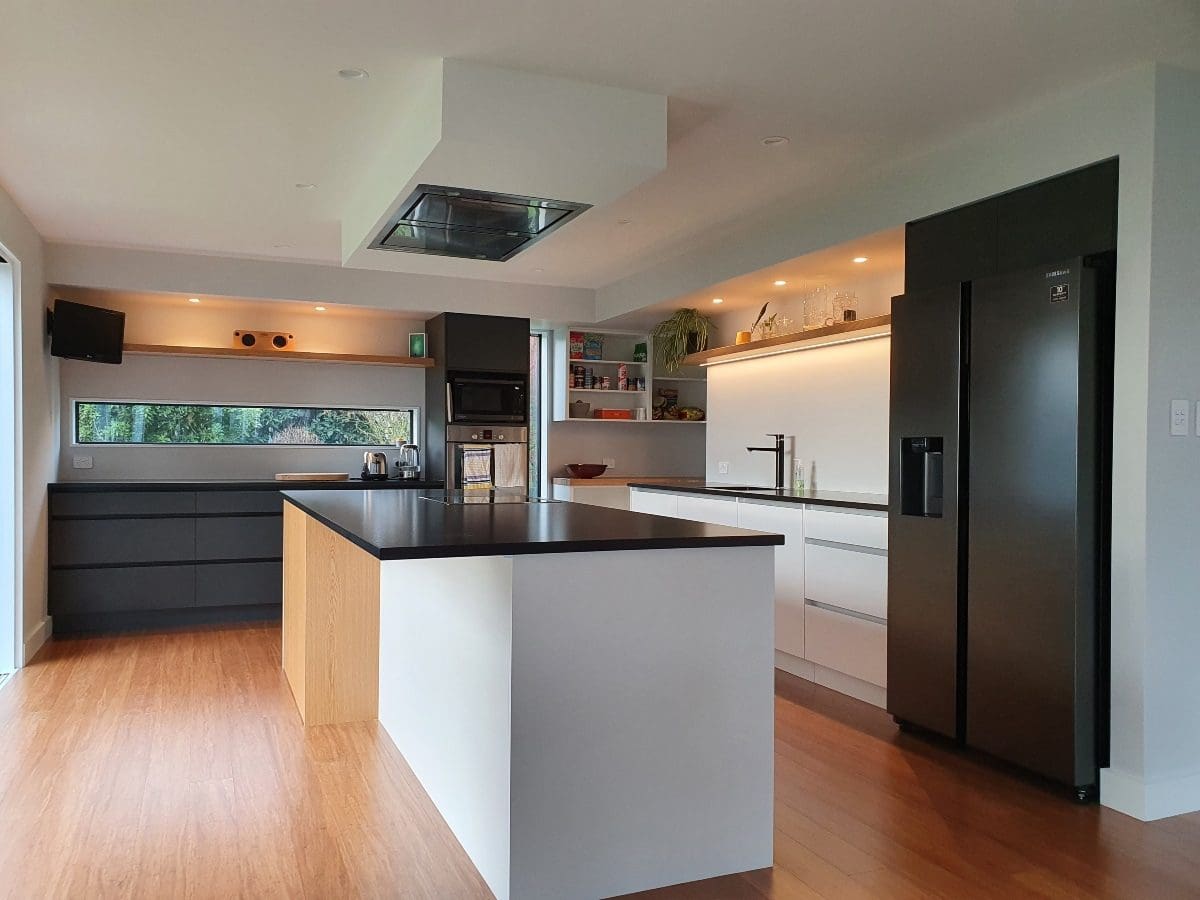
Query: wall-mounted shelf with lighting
point(293, 355)
point(844, 333)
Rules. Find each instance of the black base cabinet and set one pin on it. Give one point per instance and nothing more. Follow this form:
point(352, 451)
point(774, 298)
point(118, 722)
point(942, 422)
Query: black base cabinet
point(157, 559)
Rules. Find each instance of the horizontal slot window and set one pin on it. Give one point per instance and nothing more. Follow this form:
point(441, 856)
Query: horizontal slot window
point(175, 424)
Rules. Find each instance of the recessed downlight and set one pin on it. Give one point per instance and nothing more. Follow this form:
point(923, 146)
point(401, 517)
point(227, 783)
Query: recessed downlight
point(718, 299)
point(775, 140)
point(305, 186)
point(319, 308)
point(193, 299)
point(779, 282)
point(860, 259)
point(352, 74)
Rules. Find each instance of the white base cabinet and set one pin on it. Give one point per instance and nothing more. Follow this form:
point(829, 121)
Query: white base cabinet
point(830, 582)
point(614, 496)
point(789, 567)
point(656, 503)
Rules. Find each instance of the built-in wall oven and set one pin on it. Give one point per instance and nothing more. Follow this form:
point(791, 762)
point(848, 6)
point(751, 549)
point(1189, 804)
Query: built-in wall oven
point(487, 457)
point(482, 399)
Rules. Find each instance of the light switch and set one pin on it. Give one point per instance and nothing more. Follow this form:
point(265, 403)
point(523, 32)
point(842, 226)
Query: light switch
point(1180, 409)
point(81, 462)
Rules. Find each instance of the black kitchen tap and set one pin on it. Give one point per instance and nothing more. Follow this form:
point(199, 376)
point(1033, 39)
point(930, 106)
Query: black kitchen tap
point(778, 451)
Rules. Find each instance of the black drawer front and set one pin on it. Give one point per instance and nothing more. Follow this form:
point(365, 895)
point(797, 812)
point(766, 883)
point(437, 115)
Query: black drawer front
point(239, 502)
point(239, 584)
point(258, 537)
point(98, 542)
point(118, 590)
point(124, 503)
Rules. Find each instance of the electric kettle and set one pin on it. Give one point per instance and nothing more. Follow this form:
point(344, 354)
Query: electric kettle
point(374, 466)
point(408, 466)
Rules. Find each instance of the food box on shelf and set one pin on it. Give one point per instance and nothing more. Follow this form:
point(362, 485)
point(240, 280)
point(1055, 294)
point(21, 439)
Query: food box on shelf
point(593, 346)
point(640, 353)
point(576, 345)
point(613, 414)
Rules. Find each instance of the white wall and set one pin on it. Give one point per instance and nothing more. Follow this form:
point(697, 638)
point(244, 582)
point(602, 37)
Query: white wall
point(1113, 118)
point(172, 320)
point(831, 402)
point(227, 381)
point(1172, 626)
point(38, 418)
point(644, 449)
point(874, 290)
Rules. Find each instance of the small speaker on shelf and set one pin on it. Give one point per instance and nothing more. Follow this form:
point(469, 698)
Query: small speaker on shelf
point(264, 340)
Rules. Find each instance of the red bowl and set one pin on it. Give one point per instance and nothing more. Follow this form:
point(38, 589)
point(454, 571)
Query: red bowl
point(585, 470)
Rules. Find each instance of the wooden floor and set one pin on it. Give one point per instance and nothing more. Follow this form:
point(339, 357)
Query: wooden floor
point(175, 765)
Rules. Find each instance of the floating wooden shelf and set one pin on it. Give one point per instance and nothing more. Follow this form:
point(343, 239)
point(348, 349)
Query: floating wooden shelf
point(251, 353)
point(845, 332)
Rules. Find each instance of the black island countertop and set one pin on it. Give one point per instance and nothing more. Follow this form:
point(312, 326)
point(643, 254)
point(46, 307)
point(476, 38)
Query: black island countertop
point(420, 525)
point(846, 499)
point(233, 484)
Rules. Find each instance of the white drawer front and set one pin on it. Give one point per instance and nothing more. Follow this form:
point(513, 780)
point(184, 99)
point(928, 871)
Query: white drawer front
point(654, 503)
point(847, 579)
point(848, 527)
point(787, 520)
point(612, 496)
point(846, 644)
point(712, 510)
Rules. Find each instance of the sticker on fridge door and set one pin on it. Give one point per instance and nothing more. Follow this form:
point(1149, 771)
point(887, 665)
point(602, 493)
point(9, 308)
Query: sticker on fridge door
point(1060, 293)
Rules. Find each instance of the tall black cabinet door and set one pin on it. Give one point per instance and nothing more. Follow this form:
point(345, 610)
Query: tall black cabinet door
point(923, 518)
point(1031, 535)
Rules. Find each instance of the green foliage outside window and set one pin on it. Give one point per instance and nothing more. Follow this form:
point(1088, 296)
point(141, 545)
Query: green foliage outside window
point(191, 423)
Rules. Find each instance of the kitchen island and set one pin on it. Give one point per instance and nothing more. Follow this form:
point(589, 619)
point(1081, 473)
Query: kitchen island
point(585, 693)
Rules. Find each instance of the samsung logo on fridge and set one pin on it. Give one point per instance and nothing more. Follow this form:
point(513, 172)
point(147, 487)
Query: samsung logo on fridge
point(1057, 272)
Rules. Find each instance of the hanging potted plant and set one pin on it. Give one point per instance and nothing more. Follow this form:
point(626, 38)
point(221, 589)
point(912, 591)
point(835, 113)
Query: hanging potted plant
point(684, 332)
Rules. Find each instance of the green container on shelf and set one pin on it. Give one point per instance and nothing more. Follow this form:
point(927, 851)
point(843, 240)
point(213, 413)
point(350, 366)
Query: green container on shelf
point(640, 352)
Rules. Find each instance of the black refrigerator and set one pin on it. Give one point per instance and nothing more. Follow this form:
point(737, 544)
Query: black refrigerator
point(998, 520)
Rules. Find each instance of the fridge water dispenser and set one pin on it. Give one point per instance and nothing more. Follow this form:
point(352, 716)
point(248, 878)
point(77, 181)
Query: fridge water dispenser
point(921, 477)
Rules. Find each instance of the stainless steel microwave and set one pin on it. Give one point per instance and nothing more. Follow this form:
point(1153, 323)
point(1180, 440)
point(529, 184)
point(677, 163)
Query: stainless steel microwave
point(474, 398)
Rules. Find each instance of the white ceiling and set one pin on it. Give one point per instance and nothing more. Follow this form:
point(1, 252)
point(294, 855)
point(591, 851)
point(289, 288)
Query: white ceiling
point(186, 125)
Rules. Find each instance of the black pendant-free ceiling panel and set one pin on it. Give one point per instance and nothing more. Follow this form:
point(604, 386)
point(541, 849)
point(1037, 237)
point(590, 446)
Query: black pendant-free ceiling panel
point(446, 221)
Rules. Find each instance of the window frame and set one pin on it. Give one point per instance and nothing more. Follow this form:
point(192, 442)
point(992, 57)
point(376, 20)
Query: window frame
point(76, 401)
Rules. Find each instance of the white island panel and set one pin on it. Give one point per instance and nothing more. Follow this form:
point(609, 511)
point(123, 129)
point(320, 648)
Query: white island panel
point(588, 724)
point(445, 662)
point(643, 719)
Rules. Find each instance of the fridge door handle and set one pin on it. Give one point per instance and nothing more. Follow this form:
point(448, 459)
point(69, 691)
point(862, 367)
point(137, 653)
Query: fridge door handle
point(933, 484)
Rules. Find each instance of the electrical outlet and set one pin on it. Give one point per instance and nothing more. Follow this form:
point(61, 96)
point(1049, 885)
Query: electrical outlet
point(1180, 410)
point(609, 461)
point(81, 462)
point(723, 467)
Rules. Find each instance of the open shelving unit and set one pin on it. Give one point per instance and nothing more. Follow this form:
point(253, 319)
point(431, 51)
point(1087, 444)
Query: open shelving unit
point(842, 333)
point(689, 382)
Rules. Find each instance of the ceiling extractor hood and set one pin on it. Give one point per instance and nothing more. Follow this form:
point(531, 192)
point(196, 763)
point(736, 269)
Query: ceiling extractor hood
point(446, 221)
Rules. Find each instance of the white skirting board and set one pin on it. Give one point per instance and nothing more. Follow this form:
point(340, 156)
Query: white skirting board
point(832, 679)
point(1149, 800)
point(36, 637)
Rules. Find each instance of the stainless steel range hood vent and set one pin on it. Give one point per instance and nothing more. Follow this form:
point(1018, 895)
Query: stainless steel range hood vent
point(446, 221)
